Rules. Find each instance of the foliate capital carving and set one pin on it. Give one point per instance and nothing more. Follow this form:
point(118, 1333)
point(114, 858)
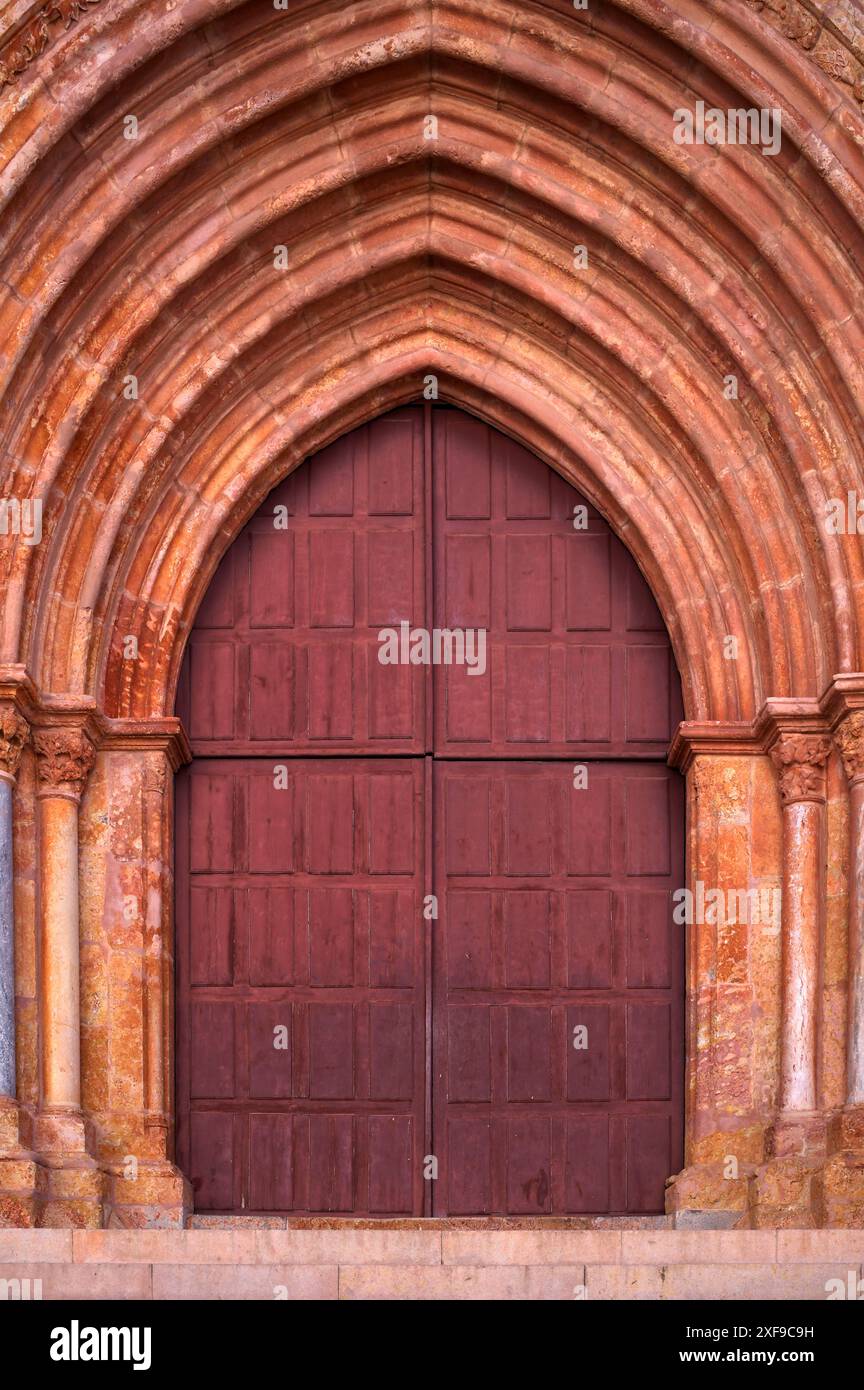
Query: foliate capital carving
point(64, 758)
point(26, 43)
point(14, 734)
point(156, 778)
point(830, 34)
point(800, 760)
point(850, 741)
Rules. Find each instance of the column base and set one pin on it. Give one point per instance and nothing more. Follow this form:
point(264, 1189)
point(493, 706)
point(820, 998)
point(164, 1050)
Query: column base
point(786, 1193)
point(71, 1188)
point(846, 1130)
point(842, 1185)
point(158, 1195)
point(703, 1197)
point(72, 1195)
point(842, 1190)
point(801, 1133)
point(59, 1132)
point(19, 1171)
point(10, 1127)
point(20, 1182)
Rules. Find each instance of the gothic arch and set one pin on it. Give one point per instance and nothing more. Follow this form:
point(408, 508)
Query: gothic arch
point(160, 373)
point(703, 263)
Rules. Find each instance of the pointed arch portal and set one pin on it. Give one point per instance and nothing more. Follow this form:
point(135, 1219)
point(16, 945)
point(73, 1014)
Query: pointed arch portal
point(424, 908)
point(233, 235)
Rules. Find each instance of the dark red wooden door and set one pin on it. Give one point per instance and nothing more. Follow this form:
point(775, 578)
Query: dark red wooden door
point(456, 951)
point(558, 1043)
point(302, 984)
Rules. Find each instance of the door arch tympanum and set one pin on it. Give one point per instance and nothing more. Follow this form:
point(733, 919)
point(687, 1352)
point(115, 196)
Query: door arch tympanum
point(426, 954)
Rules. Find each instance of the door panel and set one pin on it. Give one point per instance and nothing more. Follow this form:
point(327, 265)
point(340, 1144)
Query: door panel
point(579, 662)
point(283, 655)
point(558, 987)
point(301, 985)
point(330, 1036)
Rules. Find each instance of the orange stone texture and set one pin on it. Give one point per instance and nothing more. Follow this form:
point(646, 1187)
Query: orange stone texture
point(431, 167)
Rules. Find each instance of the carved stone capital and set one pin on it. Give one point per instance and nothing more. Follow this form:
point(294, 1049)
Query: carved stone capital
point(64, 758)
point(26, 43)
point(800, 760)
point(792, 19)
point(850, 741)
point(830, 34)
point(14, 734)
point(156, 776)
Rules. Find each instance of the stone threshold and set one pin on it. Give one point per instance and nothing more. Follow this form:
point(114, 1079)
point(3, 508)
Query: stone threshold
point(251, 1221)
point(435, 1262)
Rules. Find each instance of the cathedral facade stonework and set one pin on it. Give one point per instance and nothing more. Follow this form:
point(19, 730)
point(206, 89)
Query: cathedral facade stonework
point(233, 234)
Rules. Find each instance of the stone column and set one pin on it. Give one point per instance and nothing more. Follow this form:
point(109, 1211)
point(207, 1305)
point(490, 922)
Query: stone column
point(800, 760)
point(155, 1002)
point(843, 1175)
point(64, 759)
point(126, 971)
point(72, 1188)
point(850, 741)
point(14, 733)
point(733, 874)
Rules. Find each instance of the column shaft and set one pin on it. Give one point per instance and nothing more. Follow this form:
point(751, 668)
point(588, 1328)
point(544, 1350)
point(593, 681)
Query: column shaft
point(800, 760)
point(156, 780)
point(14, 733)
point(64, 758)
point(60, 970)
point(855, 1054)
point(850, 741)
point(7, 944)
point(802, 886)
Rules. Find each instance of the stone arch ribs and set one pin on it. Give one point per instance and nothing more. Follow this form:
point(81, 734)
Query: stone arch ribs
point(154, 257)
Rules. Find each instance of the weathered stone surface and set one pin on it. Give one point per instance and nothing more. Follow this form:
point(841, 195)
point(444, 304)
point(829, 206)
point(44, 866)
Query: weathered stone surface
point(820, 1247)
point(14, 734)
point(358, 1260)
point(467, 1282)
point(36, 1247)
point(258, 1245)
point(698, 1247)
point(530, 1247)
point(742, 1281)
point(150, 260)
point(214, 1282)
point(840, 1190)
point(7, 946)
point(62, 1282)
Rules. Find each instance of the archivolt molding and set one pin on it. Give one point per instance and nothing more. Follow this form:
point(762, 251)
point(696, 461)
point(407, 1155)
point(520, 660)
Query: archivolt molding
point(153, 259)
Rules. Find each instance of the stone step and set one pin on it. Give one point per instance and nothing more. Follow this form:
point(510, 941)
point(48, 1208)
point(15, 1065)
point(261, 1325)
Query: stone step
point(433, 1261)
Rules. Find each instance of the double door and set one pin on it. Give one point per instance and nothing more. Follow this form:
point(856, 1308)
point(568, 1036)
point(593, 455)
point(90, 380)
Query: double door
point(426, 956)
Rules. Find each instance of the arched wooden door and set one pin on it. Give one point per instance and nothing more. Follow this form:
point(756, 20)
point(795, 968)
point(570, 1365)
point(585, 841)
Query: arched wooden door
point(424, 919)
